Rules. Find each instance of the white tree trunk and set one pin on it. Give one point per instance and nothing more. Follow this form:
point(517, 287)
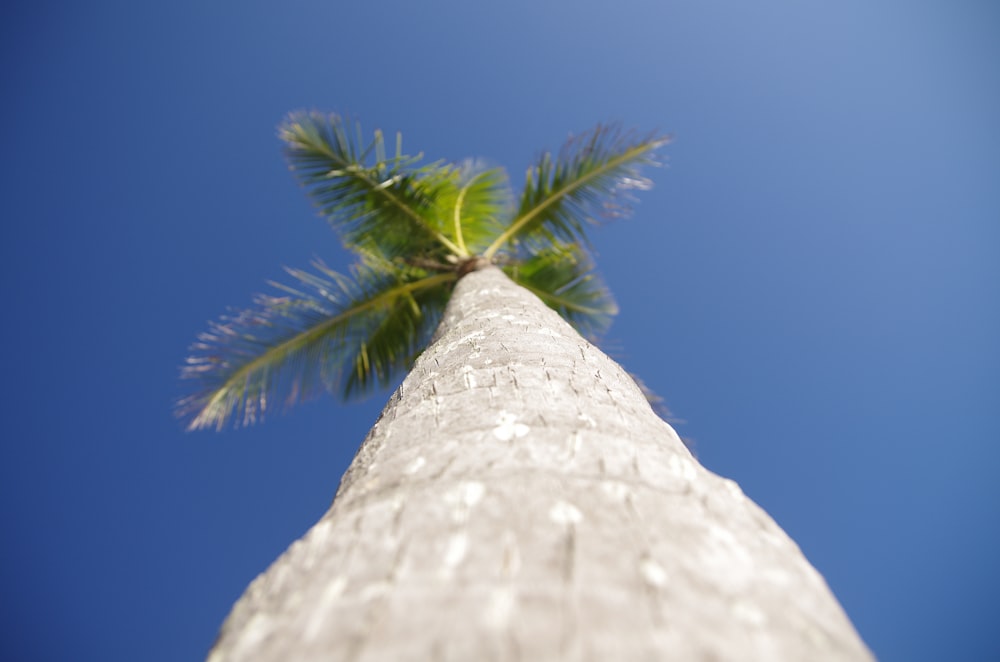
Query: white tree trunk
point(519, 500)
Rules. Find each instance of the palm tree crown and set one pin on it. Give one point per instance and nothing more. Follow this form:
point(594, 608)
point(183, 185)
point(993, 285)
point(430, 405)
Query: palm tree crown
point(416, 229)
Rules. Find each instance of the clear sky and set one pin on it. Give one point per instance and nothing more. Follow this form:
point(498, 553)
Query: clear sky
point(813, 285)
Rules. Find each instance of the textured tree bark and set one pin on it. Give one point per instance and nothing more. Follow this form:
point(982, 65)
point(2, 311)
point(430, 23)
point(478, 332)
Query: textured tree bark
point(519, 500)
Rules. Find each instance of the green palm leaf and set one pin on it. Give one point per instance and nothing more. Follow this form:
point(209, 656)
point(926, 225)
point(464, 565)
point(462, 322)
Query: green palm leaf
point(563, 277)
point(392, 344)
point(300, 342)
point(590, 178)
point(376, 202)
point(478, 202)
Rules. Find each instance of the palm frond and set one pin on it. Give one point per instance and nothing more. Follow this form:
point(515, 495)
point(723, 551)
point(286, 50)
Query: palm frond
point(373, 200)
point(392, 344)
point(590, 178)
point(563, 277)
point(476, 205)
point(301, 341)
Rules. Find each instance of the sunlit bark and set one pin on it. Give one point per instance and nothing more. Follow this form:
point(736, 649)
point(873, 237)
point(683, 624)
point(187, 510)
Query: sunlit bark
point(519, 499)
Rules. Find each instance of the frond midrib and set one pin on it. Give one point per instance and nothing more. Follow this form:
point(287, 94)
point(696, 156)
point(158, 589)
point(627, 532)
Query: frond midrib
point(459, 203)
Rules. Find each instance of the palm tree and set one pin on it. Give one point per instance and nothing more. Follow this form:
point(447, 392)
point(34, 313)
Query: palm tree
point(518, 498)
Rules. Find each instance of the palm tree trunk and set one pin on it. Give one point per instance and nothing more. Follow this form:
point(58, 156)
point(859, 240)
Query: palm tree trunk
point(518, 499)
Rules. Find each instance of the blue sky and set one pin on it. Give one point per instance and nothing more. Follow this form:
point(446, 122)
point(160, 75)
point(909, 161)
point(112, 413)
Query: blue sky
point(812, 285)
